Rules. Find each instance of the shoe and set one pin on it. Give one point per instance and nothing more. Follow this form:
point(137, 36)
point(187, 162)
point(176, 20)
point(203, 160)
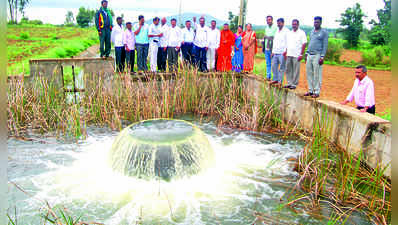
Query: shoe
point(292, 87)
point(315, 96)
point(308, 94)
point(287, 86)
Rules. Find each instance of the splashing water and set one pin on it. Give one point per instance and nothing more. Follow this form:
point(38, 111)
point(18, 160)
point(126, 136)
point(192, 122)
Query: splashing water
point(250, 173)
point(163, 148)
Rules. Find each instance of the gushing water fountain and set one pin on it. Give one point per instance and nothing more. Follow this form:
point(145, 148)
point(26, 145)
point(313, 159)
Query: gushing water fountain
point(168, 149)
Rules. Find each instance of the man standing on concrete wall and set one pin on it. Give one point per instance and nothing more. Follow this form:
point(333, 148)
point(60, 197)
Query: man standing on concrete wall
point(296, 42)
point(104, 24)
point(141, 43)
point(362, 92)
point(279, 52)
point(314, 58)
point(162, 51)
point(174, 37)
point(129, 45)
point(117, 40)
point(188, 35)
point(154, 35)
point(200, 44)
point(213, 38)
point(270, 30)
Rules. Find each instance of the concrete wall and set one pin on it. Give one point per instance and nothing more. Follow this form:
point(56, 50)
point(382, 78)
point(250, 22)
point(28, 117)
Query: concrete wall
point(349, 128)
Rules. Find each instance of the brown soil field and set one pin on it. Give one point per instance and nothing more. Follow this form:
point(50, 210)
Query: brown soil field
point(337, 82)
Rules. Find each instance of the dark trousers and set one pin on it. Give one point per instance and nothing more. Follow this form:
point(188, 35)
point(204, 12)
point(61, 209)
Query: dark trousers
point(162, 57)
point(172, 59)
point(199, 55)
point(105, 42)
point(142, 56)
point(186, 49)
point(371, 110)
point(120, 54)
point(130, 57)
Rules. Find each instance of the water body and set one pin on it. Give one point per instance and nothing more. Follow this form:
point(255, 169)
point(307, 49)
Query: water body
point(252, 172)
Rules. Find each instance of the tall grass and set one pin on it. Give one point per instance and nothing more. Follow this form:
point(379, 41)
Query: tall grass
point(42, 107)
point(330, 175)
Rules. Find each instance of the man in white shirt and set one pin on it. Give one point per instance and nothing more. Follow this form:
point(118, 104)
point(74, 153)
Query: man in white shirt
point(296, 43)
point(200, 44)
point(174, 37)
point(279, 52)
point(154, 35)
point(162, 51)
point(188, 35)
point(117, 40)
point(213, 38)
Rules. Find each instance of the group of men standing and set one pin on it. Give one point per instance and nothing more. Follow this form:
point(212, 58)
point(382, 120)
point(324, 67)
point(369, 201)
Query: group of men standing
point(284, 49)
point(199, 44)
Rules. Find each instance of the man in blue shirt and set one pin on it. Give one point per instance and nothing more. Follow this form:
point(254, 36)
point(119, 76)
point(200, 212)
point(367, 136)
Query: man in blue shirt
point(141, 43)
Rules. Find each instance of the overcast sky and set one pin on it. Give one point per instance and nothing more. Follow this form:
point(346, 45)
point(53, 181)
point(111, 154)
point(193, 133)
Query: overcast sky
point(54, 11)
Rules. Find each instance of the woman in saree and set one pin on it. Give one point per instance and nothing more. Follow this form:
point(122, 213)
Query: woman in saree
point(237, 60)
point(249, 42)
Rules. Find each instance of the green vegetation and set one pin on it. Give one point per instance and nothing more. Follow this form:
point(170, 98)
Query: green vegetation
point(352, 22)
point(28, 41)
point(329, 175)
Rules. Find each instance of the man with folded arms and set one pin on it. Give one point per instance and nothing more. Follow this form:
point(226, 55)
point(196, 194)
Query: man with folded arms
point(200, 44)
point(279, 52)
point(162, 50)
point(188, 35)
point(174, 37)
point(362, 91)
point(296, 42)
point(154, 34)
point(213, 38)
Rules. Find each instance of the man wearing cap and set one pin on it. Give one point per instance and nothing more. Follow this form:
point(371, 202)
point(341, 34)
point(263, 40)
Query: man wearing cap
point(162, 50)
point(103, 23)
point(141, 43)
point(117, 40)
point(154, 34)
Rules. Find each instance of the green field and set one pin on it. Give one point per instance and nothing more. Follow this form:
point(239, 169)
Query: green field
point(29, 41)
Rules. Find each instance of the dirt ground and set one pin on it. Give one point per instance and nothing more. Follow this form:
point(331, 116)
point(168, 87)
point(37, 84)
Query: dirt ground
point(337, 82)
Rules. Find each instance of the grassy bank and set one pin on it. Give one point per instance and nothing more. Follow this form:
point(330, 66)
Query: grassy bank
point(27, 41)
point(327, 174)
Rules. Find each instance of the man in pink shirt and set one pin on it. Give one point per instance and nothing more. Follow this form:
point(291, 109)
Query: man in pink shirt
point(362, 92)
point(129, 45)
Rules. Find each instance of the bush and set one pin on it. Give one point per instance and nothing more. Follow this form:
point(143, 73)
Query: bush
point(24, 35)
point(334, 51)
point(376, 56)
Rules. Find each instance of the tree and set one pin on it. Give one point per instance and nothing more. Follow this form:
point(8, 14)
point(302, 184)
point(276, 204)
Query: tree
point(70, 19)
point(233, 22)
point(380, 33)
point(85, 17)
point(14, 6)
point(352, 22)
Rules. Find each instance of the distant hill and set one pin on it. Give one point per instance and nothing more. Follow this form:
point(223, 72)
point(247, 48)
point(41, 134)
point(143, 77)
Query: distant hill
point(189, 16)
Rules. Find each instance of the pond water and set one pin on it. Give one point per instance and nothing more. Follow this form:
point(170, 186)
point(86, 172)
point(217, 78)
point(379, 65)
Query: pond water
point(252, 172)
